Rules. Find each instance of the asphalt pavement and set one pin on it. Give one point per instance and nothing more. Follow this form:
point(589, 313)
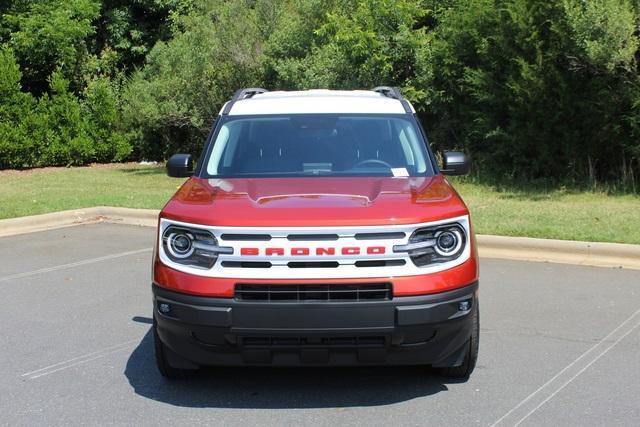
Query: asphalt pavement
point(559, 345)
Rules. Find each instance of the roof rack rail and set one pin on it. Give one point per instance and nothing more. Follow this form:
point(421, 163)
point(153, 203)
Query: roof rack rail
point(388, 91)
point(394, 92)
point(242, 94)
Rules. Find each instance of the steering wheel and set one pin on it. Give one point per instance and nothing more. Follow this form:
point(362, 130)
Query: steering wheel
point(372, 161)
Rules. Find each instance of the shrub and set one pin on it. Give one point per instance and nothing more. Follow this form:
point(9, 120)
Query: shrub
point(16, 144)
point(57, 129)
point(105, 128)
point(534, 90)
point(174, 99)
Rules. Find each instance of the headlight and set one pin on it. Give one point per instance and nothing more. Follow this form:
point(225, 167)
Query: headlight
point(192, 246)
point(448, 241)
point(435, 244)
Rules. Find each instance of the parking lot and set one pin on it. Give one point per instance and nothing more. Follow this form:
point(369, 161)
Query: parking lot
point(559, 346)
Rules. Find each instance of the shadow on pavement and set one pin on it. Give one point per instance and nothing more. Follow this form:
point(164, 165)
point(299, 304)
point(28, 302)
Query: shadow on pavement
point(279, 388)
point(142, 319)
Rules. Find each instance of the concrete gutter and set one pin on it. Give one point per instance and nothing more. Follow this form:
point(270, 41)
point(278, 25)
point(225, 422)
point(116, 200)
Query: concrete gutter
point(514, 248)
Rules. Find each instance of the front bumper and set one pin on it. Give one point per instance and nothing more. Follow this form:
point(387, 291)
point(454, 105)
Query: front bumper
point(417, 330)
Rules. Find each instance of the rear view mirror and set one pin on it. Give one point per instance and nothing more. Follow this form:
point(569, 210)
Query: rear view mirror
point(180, 166)
point(455, 163)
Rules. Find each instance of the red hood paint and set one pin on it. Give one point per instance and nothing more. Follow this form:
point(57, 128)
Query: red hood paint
point(314, 201)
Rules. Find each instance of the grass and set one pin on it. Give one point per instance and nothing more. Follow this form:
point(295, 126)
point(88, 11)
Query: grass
point(508, 211)
point(54, 189)
point(552, 214)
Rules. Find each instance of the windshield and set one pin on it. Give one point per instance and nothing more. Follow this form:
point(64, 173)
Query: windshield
point(327, 144)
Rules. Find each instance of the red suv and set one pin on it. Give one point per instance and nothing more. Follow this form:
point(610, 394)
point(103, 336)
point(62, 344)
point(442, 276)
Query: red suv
point(316, 229)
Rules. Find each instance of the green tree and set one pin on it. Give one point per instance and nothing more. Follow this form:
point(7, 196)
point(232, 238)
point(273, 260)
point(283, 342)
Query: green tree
point(127, 30)
point(173, 100)
point(533, 90)
point(602, 33)
point(530, 90)
point(47, 35)
point(101, 105)
point(346, 44)
point(16, 146)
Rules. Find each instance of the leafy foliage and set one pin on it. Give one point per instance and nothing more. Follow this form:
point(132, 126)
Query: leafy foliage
point(529, 97)
point(62, 66)
point(50, 34)
point(546, 91)
point(173, 100)
point(56, 129)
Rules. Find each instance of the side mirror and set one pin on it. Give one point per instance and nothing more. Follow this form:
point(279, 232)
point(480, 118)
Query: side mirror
point(455, 163)
point(180, 166)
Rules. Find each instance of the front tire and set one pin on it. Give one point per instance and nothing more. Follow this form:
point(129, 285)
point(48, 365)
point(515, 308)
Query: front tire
point(471, 357)
point(162, 361)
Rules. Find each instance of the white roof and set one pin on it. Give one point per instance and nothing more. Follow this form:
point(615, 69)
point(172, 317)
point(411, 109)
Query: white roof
point(317, 101)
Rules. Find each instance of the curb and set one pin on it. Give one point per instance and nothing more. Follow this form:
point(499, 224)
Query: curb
point(31, 224)
point(595, 254)
point(513, 248)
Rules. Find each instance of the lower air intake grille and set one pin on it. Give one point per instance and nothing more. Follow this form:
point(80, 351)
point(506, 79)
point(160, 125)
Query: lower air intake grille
point(314, 293)
point(301, 342)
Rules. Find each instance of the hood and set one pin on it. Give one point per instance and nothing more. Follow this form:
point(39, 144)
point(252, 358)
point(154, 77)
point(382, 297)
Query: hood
point(314, 201)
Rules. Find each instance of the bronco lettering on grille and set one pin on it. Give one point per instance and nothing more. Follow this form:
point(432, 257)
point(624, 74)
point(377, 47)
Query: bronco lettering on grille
point(323, 251)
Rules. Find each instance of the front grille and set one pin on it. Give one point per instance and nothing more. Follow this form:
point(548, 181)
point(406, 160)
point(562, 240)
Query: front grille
point(246, 264)
point(246, 237)
point(380, 236)
point(305, 342)
point(311, 237)
point(380, 263)
point(314, 293)
point(314, 264)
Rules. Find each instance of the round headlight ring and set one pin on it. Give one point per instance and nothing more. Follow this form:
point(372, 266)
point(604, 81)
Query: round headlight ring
point(448, 242)
point(180, 244)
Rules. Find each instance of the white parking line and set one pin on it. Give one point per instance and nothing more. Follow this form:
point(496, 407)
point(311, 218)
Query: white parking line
point(72, 264)
point(78, 360)
point(548, 390)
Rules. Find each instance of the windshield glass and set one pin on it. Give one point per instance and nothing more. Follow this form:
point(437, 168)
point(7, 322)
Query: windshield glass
point(308, 145)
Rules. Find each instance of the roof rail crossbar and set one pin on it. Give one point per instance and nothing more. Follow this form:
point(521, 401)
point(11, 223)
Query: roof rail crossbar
point(242, 94)
point(394, 92)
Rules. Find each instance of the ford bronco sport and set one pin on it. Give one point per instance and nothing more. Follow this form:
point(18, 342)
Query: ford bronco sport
point(316, 229)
